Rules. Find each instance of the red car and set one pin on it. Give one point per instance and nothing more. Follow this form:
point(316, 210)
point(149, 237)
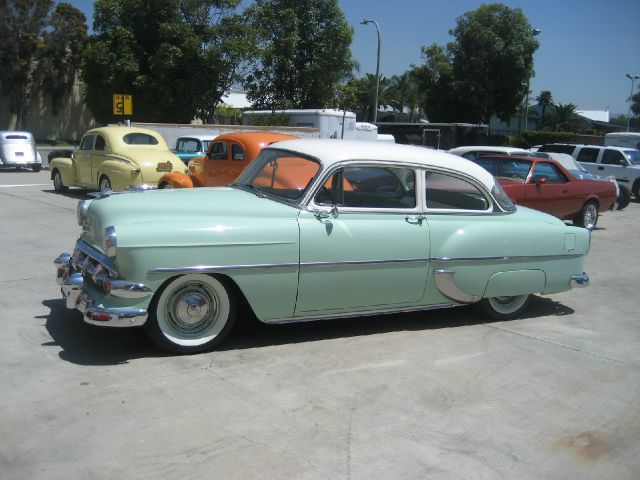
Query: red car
point(546, 185)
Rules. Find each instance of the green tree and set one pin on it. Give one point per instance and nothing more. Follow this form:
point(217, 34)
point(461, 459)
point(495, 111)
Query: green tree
point(564, 118)
point(40, 50)
point(405, 92)
point(484, 71)
point(545, 99)
point(176, 57)
point(303, 53)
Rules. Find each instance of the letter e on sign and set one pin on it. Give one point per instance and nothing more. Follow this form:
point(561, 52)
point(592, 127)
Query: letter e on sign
point(122, 104)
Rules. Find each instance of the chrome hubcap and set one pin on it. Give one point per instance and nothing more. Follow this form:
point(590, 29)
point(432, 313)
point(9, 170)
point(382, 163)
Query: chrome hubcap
point(192, 309)
point(590, 215)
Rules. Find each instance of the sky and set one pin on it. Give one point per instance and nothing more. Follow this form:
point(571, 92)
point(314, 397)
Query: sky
point(586, 46)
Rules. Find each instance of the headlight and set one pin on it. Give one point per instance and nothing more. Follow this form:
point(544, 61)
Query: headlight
point(81, 210)
point(110, 242)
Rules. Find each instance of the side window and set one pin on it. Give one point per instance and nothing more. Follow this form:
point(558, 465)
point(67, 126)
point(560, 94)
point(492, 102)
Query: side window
point(237, 152)
point(87, 142)
point(452, 193)
point(548, 171)
point(369, 187)
point(100, 143)
point(218, 151)
point(613, 157)
point(589, 155)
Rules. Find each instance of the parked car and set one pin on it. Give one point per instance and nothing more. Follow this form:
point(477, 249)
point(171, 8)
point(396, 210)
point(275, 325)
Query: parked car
point(115, 158)
point(227, 156)
point(376, 228)
point(622, 163)
point(623, 196)
point(18, 149)
point(471, 152)
point(193, 146)
point(547, 186)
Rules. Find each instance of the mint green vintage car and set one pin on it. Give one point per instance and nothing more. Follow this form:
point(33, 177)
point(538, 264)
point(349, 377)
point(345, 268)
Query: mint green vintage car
point(315, 229)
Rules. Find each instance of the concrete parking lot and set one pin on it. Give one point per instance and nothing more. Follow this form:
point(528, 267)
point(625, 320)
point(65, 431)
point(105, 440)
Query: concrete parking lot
point(438, 395)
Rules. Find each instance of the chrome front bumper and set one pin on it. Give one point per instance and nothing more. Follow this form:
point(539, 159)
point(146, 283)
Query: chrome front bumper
point(580, 281)
point(72, 288)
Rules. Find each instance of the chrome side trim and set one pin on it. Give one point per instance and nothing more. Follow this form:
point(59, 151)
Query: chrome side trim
point(505, 258)
point(312, 318)
point(580, 281)
point(447, 286)
point(363, 262)
point(221, 268)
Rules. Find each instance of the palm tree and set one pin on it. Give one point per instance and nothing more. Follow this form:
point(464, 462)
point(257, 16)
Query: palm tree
point(405, 93)
point(564, 118)
point(545, 99)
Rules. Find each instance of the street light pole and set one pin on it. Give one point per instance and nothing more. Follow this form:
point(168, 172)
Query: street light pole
point(375, 102)
point(534, 32)
point(633, 78)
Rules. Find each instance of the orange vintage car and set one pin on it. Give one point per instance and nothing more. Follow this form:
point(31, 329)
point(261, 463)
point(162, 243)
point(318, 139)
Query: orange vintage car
point(226, 157)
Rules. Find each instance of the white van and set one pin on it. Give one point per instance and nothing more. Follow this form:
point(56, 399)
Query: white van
point(623, 139)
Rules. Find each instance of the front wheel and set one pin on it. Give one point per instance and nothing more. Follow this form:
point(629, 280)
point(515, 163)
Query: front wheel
point(588, 216)
point(192, 313)
point(57, 182)
point(504, 308)
point(105, 184)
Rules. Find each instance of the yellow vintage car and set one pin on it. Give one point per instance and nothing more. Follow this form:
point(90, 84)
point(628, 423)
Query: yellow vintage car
point(114, 158)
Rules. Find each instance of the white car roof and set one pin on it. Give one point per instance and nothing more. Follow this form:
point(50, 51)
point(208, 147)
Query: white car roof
point(488, 148)
point(330, 151)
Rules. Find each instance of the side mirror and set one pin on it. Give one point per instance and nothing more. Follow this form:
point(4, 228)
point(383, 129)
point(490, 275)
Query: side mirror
point(540, 180)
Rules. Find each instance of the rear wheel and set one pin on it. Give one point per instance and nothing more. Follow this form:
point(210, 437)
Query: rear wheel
point(57, 182)
point(504, 308)
point(624, 197)
point(588, 216)
point(192, 313)
point(105, 184)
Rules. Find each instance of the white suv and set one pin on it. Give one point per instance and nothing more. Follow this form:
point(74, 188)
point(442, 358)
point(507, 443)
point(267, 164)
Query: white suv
point(621, 163)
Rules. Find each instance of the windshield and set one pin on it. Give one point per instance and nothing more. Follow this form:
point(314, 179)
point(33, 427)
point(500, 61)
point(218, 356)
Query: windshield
point(633, 156)
point(283, 174)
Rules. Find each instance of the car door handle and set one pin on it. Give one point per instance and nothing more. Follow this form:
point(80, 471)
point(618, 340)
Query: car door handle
point(600, 168)
point(415, 219)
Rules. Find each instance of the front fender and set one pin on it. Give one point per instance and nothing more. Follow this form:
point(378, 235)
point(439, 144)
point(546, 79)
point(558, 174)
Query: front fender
point(176, 180)
point(66, 168)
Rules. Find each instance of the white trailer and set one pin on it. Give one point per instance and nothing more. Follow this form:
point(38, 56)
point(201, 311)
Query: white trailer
point(622, 139)
point(332, 123)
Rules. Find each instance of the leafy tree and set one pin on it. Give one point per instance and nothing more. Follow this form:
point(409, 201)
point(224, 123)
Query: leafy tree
point(484, 71)
point(176, 57)
point(303, 53)
point(39, 50)
point(545, 99)
point(564, 118)
point(405, 92)
point(635, 104)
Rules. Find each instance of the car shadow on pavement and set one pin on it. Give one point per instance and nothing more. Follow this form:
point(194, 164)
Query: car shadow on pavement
point(85, 344)
point(78, 194)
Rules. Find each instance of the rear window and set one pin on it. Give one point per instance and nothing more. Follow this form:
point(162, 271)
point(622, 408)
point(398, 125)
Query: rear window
point(588, 155)
point(139, 139)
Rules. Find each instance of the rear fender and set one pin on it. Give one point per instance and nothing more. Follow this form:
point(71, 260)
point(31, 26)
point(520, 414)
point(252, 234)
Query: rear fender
point(176, 180)
point(121, 174)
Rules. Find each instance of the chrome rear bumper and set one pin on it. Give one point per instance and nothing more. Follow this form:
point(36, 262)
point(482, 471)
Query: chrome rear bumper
point(72, 288)
point(580, 281)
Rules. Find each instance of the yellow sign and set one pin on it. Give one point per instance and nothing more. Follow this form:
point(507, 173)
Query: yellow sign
point(122, 104)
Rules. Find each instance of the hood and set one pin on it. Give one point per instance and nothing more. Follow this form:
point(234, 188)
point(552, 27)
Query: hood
point(180, 209)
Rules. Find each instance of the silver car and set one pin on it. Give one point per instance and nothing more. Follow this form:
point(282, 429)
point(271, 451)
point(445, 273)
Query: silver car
point(18, 149)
